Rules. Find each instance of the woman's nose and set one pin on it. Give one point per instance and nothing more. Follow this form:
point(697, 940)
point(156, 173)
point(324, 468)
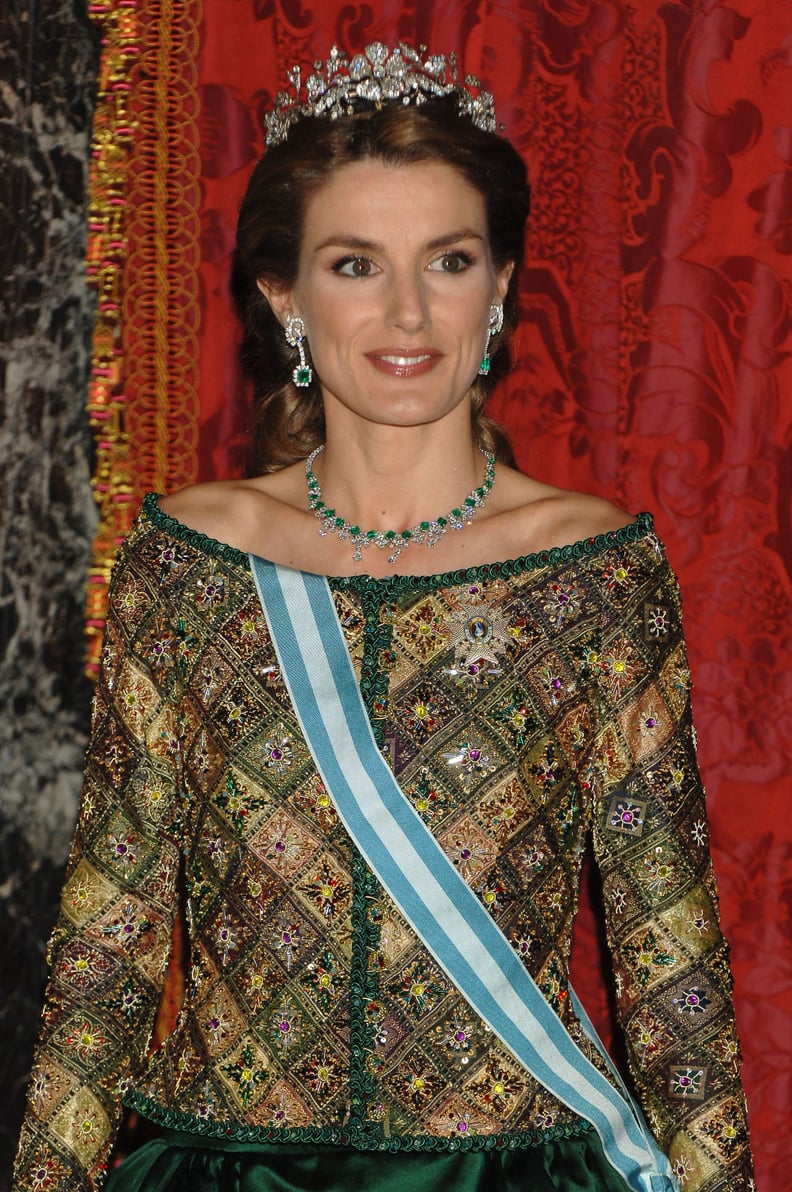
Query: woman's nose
point(407, 305)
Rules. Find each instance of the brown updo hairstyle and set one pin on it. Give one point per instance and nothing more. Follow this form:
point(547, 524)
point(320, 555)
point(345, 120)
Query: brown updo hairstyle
point(290, 421)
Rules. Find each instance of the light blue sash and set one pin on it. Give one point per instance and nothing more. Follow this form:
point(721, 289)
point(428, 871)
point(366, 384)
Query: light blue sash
point(433, 897)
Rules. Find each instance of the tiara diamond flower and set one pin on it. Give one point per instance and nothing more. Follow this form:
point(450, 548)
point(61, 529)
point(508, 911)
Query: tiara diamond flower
point(377, 76)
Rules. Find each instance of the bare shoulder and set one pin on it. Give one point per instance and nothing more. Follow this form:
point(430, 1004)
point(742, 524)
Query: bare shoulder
point(231, 511)
point(209, 508)
point(540, 516)
point(573, 516)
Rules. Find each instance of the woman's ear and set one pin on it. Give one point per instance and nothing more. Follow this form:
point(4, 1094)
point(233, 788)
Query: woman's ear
point(279, 299)
point(504, 277)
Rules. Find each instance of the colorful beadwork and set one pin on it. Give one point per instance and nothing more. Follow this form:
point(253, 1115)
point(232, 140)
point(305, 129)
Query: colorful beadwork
point(313, 1013)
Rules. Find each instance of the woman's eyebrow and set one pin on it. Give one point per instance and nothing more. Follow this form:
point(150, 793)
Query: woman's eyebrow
point(342, 240)
point(454, 238)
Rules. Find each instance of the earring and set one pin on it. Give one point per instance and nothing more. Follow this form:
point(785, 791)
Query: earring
point(493, 327)
point(294, 330)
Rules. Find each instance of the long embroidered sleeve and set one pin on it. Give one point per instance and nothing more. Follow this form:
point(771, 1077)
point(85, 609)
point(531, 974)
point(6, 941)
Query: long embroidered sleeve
point(111, 940)
point(673, 983)
point(520, 705)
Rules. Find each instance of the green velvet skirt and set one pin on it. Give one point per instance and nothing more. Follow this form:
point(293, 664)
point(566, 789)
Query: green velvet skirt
point(179, 1162)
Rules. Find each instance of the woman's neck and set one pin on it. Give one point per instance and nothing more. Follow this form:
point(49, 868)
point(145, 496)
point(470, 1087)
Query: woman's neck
point(392, 478)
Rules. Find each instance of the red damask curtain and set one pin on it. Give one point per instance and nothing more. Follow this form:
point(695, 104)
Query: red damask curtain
point(652, 365)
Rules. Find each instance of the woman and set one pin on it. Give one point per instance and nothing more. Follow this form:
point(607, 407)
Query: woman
point(323, 1043)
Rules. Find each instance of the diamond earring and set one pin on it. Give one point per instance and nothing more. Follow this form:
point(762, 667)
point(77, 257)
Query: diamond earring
point(294, 331)
point(493, 327)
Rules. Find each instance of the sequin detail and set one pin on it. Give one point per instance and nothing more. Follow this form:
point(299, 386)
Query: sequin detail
point(514, 703)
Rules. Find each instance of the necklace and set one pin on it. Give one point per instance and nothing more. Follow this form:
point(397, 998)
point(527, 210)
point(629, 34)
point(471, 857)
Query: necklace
point(429, 532)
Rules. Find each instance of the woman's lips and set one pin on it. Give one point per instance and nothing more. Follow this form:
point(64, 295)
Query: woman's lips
point(398, 362)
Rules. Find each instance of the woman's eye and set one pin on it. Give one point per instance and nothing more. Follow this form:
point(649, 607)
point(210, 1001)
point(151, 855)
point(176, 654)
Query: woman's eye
point(452, 262)
point(355, 267)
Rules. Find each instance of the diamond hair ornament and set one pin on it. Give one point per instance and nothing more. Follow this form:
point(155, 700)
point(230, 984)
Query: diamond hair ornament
point(377, 76)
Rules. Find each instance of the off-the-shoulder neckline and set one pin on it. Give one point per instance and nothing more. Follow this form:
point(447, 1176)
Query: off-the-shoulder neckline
point(584, 548)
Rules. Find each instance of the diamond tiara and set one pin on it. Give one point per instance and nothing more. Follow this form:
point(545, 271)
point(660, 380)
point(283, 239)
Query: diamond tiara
point(377, 76)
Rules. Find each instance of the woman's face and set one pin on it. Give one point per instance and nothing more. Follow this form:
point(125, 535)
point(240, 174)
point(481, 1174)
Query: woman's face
point(394, 285)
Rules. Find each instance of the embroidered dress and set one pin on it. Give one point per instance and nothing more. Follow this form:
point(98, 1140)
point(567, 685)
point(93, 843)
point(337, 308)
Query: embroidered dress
point(520, 705)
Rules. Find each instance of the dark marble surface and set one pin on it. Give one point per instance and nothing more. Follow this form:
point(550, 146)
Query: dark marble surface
point(27, 909)
point(48, 67)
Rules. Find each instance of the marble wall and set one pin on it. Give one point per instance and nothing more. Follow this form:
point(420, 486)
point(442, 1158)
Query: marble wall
point(48, 64)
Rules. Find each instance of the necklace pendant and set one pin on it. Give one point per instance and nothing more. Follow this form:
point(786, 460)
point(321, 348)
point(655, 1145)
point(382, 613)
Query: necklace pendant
point(429, 532)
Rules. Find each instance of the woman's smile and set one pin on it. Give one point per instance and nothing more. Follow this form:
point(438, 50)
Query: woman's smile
point(404, 362)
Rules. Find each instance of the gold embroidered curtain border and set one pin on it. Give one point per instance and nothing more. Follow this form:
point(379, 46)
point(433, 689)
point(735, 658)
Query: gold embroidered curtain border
point(143, 256)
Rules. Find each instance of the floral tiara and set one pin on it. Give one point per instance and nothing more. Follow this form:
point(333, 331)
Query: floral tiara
point(378, 75)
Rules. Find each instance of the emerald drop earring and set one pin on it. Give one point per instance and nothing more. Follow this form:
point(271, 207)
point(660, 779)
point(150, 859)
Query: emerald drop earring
point(493, 327)
point(294, 330)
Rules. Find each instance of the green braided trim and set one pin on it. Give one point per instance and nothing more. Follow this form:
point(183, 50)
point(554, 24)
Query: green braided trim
point(355, 1137)
point(390, 586)
point(364, 978)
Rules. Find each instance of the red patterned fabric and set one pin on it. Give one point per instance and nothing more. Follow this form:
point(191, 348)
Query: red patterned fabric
point(652, 366)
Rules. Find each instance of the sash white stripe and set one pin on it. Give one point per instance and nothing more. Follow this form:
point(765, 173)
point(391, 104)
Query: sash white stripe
point(410, 864)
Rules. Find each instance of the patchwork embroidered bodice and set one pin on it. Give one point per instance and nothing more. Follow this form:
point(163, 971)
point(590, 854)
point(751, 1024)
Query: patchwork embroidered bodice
point(521, 705)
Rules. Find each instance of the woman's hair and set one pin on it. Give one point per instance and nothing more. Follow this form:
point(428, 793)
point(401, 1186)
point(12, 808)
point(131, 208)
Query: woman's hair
point(290, 421)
